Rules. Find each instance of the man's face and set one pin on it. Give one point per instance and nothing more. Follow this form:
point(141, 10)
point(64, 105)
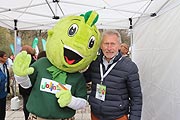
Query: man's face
point(3, 59)
point(110, 46)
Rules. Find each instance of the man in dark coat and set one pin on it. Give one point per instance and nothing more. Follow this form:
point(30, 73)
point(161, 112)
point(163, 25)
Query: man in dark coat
point(116, 91)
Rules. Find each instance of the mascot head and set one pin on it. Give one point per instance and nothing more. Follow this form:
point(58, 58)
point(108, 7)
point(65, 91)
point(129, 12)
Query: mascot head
point(72, 44)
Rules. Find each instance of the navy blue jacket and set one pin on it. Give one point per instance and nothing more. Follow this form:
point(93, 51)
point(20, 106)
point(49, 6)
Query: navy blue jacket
point(123, 90)
point(4, 84)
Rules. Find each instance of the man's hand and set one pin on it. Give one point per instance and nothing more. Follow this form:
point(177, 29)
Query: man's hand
point(64, 97)
point(21, 64)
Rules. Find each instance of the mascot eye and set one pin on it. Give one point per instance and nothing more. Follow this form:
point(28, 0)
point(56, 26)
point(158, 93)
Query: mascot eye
point(91, 42)
point(72, 30)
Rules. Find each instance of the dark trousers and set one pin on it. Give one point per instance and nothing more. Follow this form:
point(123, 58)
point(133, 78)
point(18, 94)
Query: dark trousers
point(26, 113)
point(2, 108)
point(25, 95)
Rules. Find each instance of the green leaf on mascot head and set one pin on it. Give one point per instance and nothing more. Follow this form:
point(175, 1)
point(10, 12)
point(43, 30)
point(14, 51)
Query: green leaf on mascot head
point(90, 17)
point(35, 42)
point(72, 44)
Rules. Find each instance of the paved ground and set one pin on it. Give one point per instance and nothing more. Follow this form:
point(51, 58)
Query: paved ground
point(83, 114)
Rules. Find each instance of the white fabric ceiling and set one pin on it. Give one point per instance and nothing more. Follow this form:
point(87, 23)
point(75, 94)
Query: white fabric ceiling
point(156, 51)
point(36, 14)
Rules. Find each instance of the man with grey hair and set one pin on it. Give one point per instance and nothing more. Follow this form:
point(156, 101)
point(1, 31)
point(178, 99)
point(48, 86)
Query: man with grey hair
point(116, 91)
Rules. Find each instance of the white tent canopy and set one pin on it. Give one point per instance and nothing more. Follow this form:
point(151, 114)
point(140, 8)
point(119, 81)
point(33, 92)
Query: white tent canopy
point(39, 14)
point(156, 51)
point(155, 40)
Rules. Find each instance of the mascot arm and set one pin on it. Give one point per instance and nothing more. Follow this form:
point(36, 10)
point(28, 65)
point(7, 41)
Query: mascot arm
point(24, 81)
point(21, 69)
point(66, 99)
point(77, 103)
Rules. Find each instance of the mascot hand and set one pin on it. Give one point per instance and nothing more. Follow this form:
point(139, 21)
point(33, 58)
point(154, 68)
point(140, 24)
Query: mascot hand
point(64, 97)
point(21, 64)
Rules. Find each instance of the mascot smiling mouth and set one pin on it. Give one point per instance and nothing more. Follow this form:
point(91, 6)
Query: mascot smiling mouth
point(71, 56)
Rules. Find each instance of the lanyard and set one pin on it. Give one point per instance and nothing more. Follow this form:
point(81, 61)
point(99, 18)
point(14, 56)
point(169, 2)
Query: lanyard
point(107, 72)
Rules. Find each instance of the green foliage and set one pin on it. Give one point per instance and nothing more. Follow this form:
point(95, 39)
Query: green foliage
point(5, 40)
point(27, 36)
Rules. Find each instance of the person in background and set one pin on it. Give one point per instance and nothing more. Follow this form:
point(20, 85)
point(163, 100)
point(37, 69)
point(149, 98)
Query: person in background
point(26, 92)
point(9, 62)
point(4, 84)
point(12, 82)
point(30, 51)
point(11, 57)
point(115, 91)
point(124, 48)
point(41, 54)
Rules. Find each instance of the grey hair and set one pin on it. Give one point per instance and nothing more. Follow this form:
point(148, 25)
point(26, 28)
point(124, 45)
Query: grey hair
point(112, 32)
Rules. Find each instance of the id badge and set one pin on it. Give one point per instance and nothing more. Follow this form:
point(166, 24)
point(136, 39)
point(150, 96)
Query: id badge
point(100, 92)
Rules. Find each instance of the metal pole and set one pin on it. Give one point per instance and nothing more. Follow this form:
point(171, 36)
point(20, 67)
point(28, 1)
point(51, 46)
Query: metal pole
point(131, 42)
point(15, 47)
point(130, 32)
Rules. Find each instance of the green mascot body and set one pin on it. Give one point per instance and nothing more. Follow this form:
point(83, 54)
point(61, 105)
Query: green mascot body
point(58, 88)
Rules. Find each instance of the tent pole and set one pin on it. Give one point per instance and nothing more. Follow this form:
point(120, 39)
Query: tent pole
point(15, 32)
point(15, 100)
point(15, 35)
point(131, 43)
point(15, 47)
point(130, 32)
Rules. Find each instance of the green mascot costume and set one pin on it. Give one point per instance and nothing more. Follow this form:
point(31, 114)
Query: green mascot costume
point(58, 88)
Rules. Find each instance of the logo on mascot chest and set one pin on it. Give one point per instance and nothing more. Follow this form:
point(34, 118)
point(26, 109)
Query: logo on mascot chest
point(51, 86)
